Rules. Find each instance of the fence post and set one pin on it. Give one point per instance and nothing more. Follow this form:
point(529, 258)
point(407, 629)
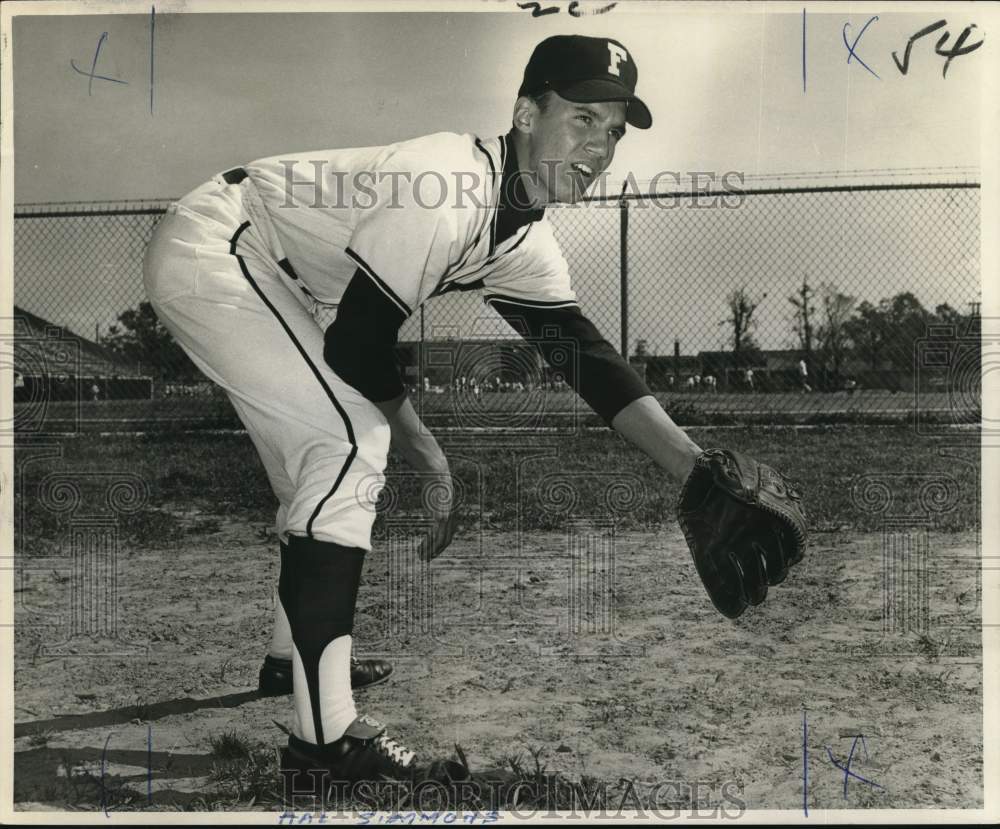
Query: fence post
point(623, 247)
point(420, 365)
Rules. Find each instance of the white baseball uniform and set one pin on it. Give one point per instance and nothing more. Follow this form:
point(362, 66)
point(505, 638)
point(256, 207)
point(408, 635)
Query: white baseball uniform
point(287, 282)
point(249, 270)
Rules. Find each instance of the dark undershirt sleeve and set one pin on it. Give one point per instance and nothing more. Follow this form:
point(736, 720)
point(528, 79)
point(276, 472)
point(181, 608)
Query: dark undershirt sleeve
point(360, 343)
point(595, 370)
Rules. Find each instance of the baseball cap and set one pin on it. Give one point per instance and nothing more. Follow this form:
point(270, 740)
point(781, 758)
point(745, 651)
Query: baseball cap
point(585, 70)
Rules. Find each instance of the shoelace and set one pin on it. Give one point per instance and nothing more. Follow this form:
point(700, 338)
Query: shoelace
point(398, 753)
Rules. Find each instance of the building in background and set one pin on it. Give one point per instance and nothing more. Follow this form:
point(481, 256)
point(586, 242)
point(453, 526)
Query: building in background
point(52, 363)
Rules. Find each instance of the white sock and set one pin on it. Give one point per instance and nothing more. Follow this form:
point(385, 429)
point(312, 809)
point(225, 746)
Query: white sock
point(336, 702)
point(281, 633)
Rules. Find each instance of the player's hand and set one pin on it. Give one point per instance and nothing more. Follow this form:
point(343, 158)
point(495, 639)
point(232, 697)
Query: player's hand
point(418, 446)
point(438, 496)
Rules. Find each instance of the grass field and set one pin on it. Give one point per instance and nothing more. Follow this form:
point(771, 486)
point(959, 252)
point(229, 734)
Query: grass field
point(528, 410)
point(563, 639)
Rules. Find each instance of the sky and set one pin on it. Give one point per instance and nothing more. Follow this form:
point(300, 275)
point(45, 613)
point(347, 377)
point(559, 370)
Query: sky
point(759, 89)
point(725, 89)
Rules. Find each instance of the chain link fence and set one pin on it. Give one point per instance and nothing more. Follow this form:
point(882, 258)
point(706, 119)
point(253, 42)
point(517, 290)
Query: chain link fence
point(757, 303)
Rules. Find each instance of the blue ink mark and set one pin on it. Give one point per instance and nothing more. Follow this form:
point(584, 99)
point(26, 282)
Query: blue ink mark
point(104, 791)
point(850, 757)
point(805, 748)
point(92, 74)
point(152, 38)
point(804, 58)
point(851, 47)
point(149, 764)
point(848, 773)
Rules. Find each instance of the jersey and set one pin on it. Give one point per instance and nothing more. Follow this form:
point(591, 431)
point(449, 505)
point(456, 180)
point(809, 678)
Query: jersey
point(367, 235)
point(419, 217)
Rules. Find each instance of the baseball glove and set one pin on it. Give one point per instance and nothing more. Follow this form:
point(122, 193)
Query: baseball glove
point(744, 524)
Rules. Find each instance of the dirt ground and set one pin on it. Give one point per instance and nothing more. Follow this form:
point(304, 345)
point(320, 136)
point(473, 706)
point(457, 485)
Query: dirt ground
point(600, 649)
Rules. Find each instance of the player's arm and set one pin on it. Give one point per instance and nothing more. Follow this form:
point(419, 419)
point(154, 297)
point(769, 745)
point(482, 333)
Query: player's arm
point(644, 424)
point(411, 438)
point(360, 346)
point(604, 380)
point(397, 243)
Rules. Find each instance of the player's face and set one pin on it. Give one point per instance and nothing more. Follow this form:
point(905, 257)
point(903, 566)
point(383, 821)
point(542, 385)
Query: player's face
point(570, 145)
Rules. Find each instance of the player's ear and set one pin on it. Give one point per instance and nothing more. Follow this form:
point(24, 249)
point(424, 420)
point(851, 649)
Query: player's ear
point(525, 111)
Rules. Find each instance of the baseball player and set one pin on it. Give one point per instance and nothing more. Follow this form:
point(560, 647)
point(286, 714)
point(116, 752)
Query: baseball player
point(287, 281)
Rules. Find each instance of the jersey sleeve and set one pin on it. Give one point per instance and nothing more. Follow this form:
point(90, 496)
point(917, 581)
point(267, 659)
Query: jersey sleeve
point(359, 344)
point(534, 274)
point(588, 362)
point(404, 235)
point(533, 294)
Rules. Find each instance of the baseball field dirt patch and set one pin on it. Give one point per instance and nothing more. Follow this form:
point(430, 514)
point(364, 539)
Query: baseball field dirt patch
point(565, 639)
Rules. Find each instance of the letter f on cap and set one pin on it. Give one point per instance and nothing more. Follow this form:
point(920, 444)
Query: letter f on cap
point(618, 54)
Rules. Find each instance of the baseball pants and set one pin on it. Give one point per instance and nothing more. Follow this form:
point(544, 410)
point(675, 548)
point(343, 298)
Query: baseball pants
point(223, 296)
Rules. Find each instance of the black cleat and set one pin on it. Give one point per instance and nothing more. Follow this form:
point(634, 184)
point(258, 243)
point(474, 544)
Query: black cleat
point(275, 677)
point(363, 753)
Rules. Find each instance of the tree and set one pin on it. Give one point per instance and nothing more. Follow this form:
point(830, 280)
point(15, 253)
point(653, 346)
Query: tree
point(905, 321)
point(888, 333)
point(805, 315)
point(964, 333)
point(867, 331)
point(965, 325)
point(946, 315)
point(142, 338)
point(833, 333)
point(740, 319)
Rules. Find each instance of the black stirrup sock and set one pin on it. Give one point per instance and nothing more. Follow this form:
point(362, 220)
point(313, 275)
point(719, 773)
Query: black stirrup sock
point(318, 587)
